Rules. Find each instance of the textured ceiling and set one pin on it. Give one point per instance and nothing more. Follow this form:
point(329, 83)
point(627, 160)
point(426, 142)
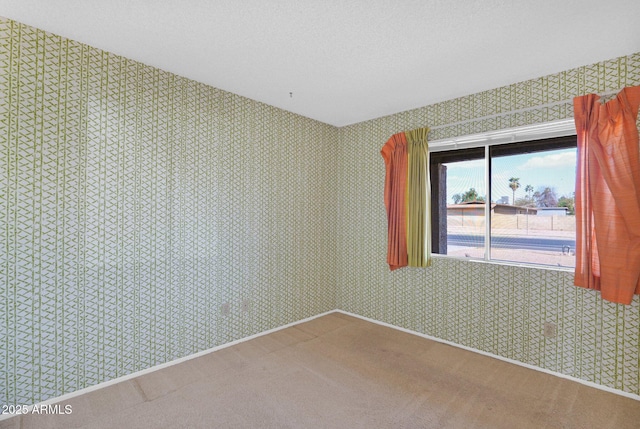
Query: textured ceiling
point(345, 61)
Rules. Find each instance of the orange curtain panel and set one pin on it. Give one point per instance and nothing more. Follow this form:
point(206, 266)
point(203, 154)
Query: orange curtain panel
point(406, 198)
point(395, 157)
point(608, 195)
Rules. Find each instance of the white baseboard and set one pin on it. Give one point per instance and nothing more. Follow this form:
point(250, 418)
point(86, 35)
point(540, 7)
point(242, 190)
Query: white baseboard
point(502, 358)
point(117, 380)
point(232, 343)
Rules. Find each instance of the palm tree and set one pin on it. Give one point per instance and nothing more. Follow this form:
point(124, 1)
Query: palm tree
point(514, 184)
point(528, 189)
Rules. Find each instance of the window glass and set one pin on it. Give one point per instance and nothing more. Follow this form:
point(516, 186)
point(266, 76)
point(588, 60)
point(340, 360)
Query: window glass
point(531, 202)
point(466, 197)
point(533, 218)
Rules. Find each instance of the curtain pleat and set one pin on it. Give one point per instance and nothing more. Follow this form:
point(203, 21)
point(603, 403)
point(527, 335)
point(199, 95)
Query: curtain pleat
point(394, 153)
point(608, 195)
point(418, 197)
point(407, 199)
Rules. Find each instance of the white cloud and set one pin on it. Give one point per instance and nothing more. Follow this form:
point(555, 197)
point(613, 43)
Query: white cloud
point(564, 159)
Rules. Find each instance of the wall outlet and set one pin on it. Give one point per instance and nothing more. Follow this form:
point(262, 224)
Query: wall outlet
point(244, 305)
point(225, 309)
point(549, 330)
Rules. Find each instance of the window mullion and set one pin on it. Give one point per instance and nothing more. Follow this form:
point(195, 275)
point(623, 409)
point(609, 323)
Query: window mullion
point(487, 204)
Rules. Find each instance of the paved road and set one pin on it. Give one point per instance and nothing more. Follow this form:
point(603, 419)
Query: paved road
point(519, 242)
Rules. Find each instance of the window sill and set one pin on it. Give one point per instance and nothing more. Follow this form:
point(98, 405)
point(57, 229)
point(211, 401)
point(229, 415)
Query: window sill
point(506, 263)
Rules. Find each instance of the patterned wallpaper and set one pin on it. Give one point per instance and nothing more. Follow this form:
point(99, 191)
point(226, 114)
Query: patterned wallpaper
point(495, 308)
point(134, 204)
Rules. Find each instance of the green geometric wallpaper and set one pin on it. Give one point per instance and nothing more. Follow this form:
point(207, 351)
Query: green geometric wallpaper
point(134, 203)
point(499, 309)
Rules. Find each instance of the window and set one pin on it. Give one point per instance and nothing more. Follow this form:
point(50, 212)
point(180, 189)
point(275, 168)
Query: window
point(530, 189)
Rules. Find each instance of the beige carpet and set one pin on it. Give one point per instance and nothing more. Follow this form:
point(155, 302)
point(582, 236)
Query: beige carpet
point(341, 372)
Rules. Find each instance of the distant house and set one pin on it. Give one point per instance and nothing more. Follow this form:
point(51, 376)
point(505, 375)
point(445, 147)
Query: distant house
point(552, 211)
point(471, 208)
point(475, 208)
point(514, 210)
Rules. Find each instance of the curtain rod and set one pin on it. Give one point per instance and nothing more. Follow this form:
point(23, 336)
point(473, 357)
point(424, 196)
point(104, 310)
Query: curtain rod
point(511, 112)
point(417, 129)
point(559, 128)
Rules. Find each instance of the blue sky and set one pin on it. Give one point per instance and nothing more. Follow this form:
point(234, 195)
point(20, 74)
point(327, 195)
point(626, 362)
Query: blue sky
point(555, 169)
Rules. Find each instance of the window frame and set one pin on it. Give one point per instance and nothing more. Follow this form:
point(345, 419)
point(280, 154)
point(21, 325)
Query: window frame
point(527, 139)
